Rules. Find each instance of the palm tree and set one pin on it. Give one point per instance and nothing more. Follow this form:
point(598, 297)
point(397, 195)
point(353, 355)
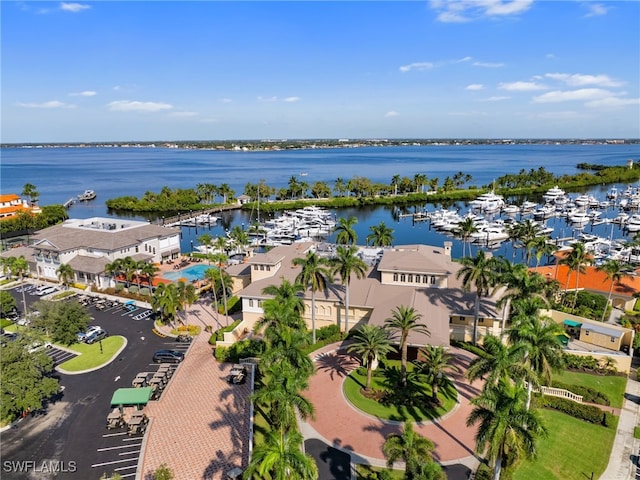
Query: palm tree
point(285, 309)
point(314, 275)
point(345, 233)
point(434, 366)
point(280, 457)
point(206, 240)
point(188, 296)
point(576, 260)
point(380, 236)
point(149, 270)
point(19, 267)
point(507, 429)
point(615, 272)
point(29, 190)
point(499, 362)
point(239, 238)
point(370, 342)
point(345, 264)
point(220, 258)
point(409, 446)
point(65, 274)
point(477, 271)
point(404, 320)
point(114, 269)
point(166, 300)
point(543, 247)
point(541, 350)
point(464, 229)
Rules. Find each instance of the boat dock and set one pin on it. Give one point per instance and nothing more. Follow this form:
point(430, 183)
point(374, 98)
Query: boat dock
point(69, 202)
point(197, 218)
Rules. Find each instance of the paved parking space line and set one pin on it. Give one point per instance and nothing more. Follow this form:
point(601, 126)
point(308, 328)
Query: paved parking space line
point(137, 452)
point(131, 439)
point(120, 446)
point(128, 475)
point(119, 469)
point(111, 463)
point(105, 435)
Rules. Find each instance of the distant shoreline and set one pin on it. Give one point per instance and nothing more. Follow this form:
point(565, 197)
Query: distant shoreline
point(312, 144)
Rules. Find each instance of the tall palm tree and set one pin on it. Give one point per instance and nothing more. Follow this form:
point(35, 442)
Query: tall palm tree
point(65, 274)
point(165, 300)
point(576, 260)
point(206, 240)
point(285, 309)
point(499, 363)
point(280, 457)
point(239, 238)
point(541, 349)
point(188, 296)
point(114, 269)
point(345, 232)
point(543, 248)
point(19, 267)
point(149, 270)
point(464, 229)
point(345, 264)
point(478, 272)
point(380, 236)
point(507, 429)
point(405, 320)
point(615, 271)
point(314, 275)
point(434, 367)
point(409, 446)
point(370, 342)
point(220, 258)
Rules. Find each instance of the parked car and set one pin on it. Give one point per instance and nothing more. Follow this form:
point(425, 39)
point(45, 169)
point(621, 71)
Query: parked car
point(37, 345)
point(96, 336)
point(47, 291)
point(82, 336)
point(168, 356)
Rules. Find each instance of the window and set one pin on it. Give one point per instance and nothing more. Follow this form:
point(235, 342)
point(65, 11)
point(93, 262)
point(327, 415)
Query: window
point(268, 268)
point(410, 278)
point(586, 332)
point(395, 277)
point(262, 267)
point(251, 302)
point(613, 339)
point(137, 248)
point(433, 280)
point(403, 277)
point(424, 279)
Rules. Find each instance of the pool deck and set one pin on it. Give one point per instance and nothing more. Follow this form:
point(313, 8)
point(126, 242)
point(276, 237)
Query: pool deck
point(169, 268)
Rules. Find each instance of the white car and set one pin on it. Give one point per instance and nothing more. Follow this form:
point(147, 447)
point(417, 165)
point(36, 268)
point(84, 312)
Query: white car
point(82, 336)
point(47, 291)
point(37, 345)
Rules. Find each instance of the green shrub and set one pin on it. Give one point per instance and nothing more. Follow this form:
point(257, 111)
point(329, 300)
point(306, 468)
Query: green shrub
point(220, 332)
point(234, 305)
point(588, 413)
point(589, 395)
point(241, 349)
point(213, 339)
point(328, 332)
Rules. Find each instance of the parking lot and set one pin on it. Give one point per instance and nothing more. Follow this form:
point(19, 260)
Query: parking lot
point(60, 355)
point(79, 417)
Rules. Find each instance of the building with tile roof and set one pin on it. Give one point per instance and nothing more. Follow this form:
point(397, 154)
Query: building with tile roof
point(88, 245)
point(418, 276)
point(11, 204)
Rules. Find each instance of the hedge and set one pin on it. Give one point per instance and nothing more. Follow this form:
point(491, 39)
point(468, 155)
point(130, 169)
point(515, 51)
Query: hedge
point(589, 395)
point(588, 413)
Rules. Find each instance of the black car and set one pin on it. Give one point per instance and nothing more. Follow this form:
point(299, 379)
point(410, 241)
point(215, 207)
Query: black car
point(168, 356)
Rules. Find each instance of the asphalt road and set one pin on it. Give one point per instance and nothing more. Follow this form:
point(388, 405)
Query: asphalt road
point(69, 436)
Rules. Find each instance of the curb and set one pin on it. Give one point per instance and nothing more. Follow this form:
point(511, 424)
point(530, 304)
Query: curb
point(115, 355)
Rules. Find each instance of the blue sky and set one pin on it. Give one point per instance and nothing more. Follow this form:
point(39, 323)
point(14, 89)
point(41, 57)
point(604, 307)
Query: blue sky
point(208, 70)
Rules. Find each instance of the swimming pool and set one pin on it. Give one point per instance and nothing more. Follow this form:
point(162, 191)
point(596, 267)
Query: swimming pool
point(195, 272)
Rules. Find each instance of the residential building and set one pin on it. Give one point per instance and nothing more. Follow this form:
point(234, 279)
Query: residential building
point(11, 204)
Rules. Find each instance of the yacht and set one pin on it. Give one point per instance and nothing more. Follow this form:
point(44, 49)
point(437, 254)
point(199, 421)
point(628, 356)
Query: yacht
point(633, 223)
point(612, 194)
point(87, 195)
point(488, 202)
point(553, 193)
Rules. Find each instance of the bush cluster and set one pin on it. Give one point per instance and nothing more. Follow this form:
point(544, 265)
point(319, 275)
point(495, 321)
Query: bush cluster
point(588, 413)
point(218, 335)
point(241, 349)
point(589, 394)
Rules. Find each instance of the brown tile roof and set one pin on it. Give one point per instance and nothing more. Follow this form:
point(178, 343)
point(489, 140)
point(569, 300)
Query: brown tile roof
point(417, 259)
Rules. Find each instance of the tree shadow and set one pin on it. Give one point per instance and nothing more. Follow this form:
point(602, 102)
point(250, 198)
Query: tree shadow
point(454, 438)
point(337, 364)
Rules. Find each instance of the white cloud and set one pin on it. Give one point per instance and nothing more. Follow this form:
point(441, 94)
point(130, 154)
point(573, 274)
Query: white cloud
point(550, 55)
point(49, 104)
point(462, 60)
point(578, 80)
point(226, 100)
point(474, 87)
point(470, 10)
point(582, 94)
point(73, 7)
point(612, 102)
point(391, 113)
point(291, 99)
point(488, 64)
point(564, 115)
point(595, 9)
point(496, 98)
point(416, 66)
point(86, 93)
point(521, 86)
point(268, 99)
point(276, 99)
point(136, 106)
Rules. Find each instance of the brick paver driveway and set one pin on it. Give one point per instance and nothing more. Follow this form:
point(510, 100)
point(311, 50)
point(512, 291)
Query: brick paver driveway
point(200, 426)
point(342, 426)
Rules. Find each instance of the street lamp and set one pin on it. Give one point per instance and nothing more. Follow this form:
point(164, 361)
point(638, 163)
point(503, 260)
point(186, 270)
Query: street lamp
point(100, 342)
point(191, 246)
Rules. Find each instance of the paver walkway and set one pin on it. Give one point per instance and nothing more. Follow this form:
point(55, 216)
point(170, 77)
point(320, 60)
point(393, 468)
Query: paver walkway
point(200, 426)
point(342, 426)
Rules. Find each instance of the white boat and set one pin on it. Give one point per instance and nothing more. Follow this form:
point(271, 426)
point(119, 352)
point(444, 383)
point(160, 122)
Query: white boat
point(612, 194)
point(205, 219)
point(511, 210)
point(633, 223)
point(87, 195)
point(553, 193)
point(488, 202)
point(579, 217)
point(528, 206)
point(490, 234)
point(583, 200)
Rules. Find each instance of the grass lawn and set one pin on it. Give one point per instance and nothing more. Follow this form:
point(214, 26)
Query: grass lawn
point(612, 386)
point(572, 451)
point(90, 355)
point(365, 472)
point(419, 412)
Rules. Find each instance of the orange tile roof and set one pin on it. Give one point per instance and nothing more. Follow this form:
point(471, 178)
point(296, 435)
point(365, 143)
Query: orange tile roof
point(8, 197)
point(593, 279)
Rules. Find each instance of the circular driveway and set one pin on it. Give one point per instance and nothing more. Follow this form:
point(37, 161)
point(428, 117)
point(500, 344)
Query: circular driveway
point(344, 427)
